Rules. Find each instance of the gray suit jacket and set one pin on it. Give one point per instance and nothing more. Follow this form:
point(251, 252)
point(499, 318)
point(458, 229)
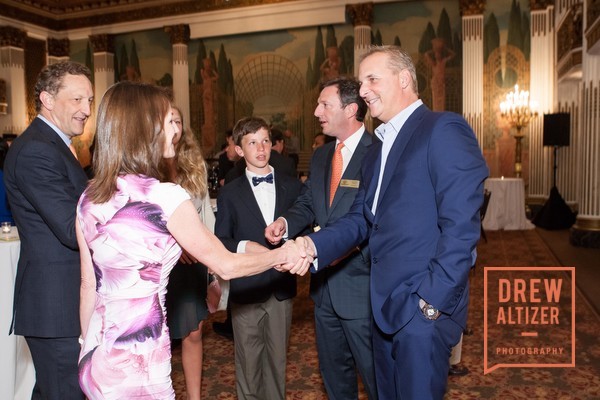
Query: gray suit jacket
point(348, 281)
point(43, 182)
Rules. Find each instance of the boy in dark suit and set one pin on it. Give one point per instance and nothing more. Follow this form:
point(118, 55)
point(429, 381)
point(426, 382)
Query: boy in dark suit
point(261, 305)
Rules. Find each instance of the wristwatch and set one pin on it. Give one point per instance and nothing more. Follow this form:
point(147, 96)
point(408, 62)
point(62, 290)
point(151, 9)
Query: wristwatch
point(429, 311)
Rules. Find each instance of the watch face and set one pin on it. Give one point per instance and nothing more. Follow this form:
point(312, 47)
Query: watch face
point(430, 312)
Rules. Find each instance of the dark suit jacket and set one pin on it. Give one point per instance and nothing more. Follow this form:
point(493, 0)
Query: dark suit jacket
point(348, 281)
point(239, 218)
point(426, 225)
point(44, 182)
point(282, 165)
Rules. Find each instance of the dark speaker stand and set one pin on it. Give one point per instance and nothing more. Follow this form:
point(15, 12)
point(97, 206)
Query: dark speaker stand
point(555, 214)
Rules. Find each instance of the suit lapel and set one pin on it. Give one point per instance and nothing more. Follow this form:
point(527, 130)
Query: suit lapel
point(248, 200)
point(78, 176)
point(406, 133)
point(280, 196)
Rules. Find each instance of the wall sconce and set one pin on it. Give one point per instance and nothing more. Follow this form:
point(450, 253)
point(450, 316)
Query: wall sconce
point(3, 103)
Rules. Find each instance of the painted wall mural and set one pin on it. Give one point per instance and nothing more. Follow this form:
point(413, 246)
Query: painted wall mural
point(276, 74)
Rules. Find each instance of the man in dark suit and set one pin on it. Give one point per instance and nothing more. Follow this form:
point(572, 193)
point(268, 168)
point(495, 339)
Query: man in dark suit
point(418, 205)
point(44, 181)
point(261, 305)
point(343, 317)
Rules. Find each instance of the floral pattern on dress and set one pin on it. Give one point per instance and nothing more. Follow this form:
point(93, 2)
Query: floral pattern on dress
point(126, 353)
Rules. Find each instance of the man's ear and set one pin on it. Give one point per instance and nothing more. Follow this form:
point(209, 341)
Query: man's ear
point(351, 110)
point(404, 78)
point(47, 100)
point(239, 151)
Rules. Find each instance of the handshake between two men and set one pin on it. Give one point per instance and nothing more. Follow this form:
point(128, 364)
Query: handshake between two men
point(301, 249)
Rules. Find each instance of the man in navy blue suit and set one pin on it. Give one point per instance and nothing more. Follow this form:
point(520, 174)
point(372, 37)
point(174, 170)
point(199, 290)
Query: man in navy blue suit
point(418, 206)
point(44, 181)
point(343, 319)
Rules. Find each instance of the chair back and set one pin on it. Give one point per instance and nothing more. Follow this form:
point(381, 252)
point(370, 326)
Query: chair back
point(486, 201)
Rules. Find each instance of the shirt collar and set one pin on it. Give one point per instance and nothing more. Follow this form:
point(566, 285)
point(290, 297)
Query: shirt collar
point(396, 123)
point(250, 174)
point(352, 141)
point(64, 137)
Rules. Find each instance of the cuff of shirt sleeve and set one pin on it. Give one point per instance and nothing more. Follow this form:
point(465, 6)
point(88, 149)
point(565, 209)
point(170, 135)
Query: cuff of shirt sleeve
point(241, 247)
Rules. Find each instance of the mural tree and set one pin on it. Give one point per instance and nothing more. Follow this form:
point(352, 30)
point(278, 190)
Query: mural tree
point(89, 61)
point(199, 57)
point(123, 63)
point(526, 36)
point(309, 72)
point(491, 36)
point(331, 66)
point(135, 61)
point(437, 53)
point(515, 33)
point(319, 59)
point(347, 55)
point(377, 39)
point(428, 36)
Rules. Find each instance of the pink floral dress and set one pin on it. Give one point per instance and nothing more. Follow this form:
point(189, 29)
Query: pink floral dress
point(126, 353)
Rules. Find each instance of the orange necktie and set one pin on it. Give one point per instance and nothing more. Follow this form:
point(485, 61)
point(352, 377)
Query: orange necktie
point(337, 165)
point(72, 148)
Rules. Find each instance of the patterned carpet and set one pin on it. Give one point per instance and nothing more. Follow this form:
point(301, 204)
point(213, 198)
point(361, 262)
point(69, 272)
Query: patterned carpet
point(504, 248)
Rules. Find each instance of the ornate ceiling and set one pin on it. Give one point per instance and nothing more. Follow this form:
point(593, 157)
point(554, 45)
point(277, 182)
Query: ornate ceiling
point(61, 15)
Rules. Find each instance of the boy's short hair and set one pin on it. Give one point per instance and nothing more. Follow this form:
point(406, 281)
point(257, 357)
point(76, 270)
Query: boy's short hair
point(248, 125)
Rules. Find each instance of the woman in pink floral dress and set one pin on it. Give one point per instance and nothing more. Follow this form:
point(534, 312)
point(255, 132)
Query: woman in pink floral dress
point(130, 227)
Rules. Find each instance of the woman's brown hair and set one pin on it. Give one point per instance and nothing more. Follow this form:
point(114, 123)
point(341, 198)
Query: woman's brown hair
point(129, 135)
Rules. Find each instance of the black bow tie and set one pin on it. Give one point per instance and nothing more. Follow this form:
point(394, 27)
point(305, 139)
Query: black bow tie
point(256, 180)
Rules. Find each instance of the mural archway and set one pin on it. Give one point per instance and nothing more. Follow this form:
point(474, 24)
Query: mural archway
point(271, 86)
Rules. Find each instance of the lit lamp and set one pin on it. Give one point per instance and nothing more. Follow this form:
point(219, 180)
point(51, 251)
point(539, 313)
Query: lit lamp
point(518, 110)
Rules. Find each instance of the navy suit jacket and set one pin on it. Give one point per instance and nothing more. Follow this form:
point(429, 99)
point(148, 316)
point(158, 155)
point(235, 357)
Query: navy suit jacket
point(348, 281)
point(426, 224)
point(239, 218)
point(43, 182)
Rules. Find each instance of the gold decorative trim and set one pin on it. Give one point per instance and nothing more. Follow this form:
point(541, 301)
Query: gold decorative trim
point(360, 14)
point(587, 224)
point(536, 5)
point(57, 16)
point(103, 43)
point(179, 34)
point(471, 7)
point(58, 47)
point(14, 37)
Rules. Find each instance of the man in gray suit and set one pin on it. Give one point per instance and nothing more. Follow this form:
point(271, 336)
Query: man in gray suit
point(340, 292)
point(44, 181)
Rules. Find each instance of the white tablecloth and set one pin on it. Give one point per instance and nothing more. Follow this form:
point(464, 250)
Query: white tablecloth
point(17, 374)
point(506, 209)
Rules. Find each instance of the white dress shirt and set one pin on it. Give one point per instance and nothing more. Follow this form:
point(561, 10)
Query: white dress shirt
point(388, 134)
point(264, 193)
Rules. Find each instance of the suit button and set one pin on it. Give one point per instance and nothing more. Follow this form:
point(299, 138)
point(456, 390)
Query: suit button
point(375, 260)
point(375, 227)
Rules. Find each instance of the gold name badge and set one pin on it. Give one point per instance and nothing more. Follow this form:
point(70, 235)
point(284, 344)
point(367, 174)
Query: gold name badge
point(352, 183)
